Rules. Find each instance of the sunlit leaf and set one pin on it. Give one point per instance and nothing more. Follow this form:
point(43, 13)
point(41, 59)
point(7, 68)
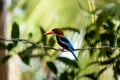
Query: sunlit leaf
point(118, 29)
point(101, 71)
point(106, 62)
point(109, 61)
point(68, 62)
point(93, 63)
point(5, 59)
point(52, 66)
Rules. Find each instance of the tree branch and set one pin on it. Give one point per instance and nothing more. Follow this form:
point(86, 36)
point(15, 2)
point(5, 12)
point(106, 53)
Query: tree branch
point(21, 40)
point(49, 47)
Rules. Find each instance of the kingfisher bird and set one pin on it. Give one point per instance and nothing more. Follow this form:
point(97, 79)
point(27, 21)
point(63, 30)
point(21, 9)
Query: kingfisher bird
point(62, 40)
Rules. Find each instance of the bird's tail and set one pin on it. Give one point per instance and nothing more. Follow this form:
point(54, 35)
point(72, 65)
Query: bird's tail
point(74, 55)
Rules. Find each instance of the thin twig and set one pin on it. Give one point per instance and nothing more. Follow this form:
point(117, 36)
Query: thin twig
point(49, 47)
point(16, 39)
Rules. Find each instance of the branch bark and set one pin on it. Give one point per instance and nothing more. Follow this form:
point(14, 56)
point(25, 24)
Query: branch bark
point(49, 47)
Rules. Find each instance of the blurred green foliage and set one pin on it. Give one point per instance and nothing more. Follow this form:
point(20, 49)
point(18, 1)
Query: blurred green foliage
point(104, 30)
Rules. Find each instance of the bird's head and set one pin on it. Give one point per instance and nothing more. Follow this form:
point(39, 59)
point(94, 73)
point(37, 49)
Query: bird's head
point(56, 31)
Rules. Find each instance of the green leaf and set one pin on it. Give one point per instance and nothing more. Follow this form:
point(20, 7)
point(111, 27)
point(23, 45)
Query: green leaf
point(101, 18)
point(68, 62)
point(26, 60)
point(71, 29)
point(24, 55)
point(10, 46)
point(118, 42)
point(64, 76)
point(101, 71)
point(118, 29)
point(5, 59)
point(27, 51)
point(93, 63)
point(51, 41)
point(110, 24)
point(106, 62)
point(91, 76)
point(116, 67)
point(107, 11)
point(30, 35)
point(15, 30)
point(44, 38)
point(52, 66)
point(111, 38)
point(2, 46)
point(72, 74)
point(109, 61)
point(108, 36)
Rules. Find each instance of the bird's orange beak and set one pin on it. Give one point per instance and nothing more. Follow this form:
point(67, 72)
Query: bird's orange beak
point(47, 33)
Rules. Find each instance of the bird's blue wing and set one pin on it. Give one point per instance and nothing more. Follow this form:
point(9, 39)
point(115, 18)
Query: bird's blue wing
point(66, 42)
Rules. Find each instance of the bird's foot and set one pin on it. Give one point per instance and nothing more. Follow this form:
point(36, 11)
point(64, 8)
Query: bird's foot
point(62, 49)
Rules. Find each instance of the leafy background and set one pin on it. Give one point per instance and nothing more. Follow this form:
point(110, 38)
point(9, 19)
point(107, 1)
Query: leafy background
point(87, 23)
